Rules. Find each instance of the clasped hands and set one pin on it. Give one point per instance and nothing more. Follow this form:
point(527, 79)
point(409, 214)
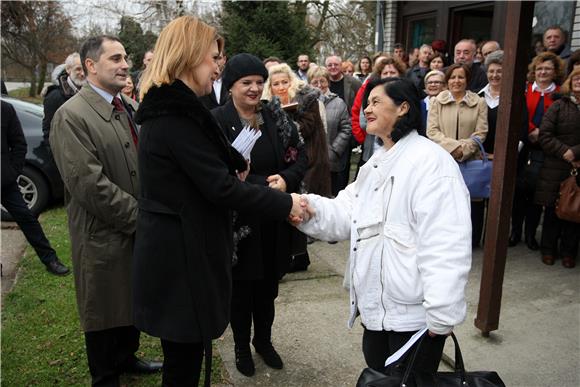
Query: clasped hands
point(301, 211)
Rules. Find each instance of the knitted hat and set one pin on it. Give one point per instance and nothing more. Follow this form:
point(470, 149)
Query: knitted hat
point(242, 65)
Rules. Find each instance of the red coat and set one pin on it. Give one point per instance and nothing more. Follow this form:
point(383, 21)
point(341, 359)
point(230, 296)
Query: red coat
point(532, 100)
point(358, 133)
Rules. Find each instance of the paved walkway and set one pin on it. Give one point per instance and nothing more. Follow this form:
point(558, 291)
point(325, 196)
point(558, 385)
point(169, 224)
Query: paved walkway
point(537, 344)
point(13, 245)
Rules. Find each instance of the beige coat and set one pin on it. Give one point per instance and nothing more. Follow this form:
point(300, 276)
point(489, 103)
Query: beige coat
point(451, 124)
point(97, 160)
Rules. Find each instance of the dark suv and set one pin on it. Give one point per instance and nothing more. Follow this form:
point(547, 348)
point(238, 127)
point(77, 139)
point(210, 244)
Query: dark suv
point(40, 182)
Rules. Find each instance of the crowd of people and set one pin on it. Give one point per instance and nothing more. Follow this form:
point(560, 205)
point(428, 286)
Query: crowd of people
point(176, 234)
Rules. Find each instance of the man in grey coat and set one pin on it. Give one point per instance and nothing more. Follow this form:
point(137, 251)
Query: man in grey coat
point(94, 142)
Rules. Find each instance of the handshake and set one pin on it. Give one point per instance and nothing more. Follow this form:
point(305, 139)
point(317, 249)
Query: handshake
point(301, 210)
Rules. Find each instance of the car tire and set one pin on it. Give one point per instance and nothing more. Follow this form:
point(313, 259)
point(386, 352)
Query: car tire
point(35, 192)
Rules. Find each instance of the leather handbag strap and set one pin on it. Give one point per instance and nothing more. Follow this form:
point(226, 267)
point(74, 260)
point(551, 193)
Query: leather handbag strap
point(459, 365)
point(483, 152)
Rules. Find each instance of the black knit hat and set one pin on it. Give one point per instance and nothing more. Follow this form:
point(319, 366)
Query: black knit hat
point(242, 65)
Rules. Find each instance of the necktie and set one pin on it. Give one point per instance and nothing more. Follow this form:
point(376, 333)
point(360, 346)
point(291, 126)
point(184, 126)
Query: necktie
point(121, 108)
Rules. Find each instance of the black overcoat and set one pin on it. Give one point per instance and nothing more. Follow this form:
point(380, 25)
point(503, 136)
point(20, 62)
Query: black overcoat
point(13, 145)
point(183, 249)
point(252, 262)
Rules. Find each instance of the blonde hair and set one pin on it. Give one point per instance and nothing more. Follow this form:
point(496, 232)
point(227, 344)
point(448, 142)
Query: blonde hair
point(317, 72)
point(181, 46)
point(567, 86)
point(295, 83)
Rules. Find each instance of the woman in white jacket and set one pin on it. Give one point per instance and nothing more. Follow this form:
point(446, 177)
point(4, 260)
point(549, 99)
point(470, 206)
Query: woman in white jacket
point(408, 219)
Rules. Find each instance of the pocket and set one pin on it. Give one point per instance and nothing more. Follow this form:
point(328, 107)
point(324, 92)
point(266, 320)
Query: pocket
point(403, 280)
point(367, 256)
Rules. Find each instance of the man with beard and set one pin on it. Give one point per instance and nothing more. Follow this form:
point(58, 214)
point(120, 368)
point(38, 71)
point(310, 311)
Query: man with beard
point(303, 64)
point(69, 83)
point(94, 142)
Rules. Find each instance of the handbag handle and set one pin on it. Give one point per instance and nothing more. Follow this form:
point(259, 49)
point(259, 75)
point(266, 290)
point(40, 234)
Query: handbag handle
point(483, 152)
point(459, 365)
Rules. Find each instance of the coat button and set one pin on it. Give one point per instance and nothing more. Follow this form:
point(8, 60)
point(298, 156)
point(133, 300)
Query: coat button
point(117, 117)
point(127, 145)
point(375, 166)
point(354, 249)
point(133, 173)
point(354, 221)
point(356, 196)
point(376, 189)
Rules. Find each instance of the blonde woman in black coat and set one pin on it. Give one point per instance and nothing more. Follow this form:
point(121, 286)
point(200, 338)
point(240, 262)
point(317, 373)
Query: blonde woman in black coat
point(184, 246)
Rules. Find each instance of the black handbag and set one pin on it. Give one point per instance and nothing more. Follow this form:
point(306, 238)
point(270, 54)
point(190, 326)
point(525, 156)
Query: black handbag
point(459, 378)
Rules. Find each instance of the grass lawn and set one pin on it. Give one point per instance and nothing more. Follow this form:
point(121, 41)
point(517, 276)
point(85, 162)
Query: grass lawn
point(42, 342)
point(22, 94)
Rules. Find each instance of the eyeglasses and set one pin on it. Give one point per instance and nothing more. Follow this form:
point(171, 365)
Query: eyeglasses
point(319, 83)
point(435, 83)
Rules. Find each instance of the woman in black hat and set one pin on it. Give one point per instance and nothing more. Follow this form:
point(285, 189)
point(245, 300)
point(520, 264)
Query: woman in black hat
point(263, 247)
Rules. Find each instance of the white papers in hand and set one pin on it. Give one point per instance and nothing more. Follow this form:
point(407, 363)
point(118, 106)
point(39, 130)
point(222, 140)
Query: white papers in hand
point(246, 140)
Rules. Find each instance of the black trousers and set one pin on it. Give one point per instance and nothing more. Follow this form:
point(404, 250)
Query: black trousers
point(377, 346)
point(336, 182)
point(477, 218)
point(109, 351)
point(181, 363)
point(556, 229)
point(14, 203)
point(253, 301)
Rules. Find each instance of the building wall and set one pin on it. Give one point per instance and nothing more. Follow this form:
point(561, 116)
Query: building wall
point(575, 41)
point(390, 25)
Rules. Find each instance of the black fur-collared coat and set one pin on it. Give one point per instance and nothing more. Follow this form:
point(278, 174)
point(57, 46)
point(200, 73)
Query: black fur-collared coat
point(183, 250)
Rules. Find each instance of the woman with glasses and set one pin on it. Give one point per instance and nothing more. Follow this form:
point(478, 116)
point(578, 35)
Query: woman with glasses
point(545, 73)
point(434, 84)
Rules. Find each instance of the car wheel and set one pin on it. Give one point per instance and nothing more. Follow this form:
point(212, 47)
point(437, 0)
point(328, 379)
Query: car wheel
point(34, 189)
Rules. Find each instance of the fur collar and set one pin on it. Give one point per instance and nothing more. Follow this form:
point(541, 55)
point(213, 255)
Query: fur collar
point(305, 97)
point(179, 100)
point(174, 99)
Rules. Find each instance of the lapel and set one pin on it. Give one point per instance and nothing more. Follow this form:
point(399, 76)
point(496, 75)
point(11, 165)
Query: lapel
point(347, 90)
point(97, 103)
point(109, 115)
point(271, 130)
point(224, 95)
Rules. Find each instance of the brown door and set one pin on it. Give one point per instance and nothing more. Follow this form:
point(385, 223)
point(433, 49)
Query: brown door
point(471, 22)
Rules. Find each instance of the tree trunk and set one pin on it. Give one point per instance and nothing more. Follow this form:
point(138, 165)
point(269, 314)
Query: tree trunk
point(32, 91)
point(41, 77)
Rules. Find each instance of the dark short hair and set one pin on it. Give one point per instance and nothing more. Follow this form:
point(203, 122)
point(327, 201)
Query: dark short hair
point(456, 66)
point(272, 59)
point(557, 27)
point(93, 48)
point(399, 90)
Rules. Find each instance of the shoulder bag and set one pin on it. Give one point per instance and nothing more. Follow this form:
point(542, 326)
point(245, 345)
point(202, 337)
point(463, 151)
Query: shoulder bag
point(568, 204)
point(458, 378)
point(477, 174)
